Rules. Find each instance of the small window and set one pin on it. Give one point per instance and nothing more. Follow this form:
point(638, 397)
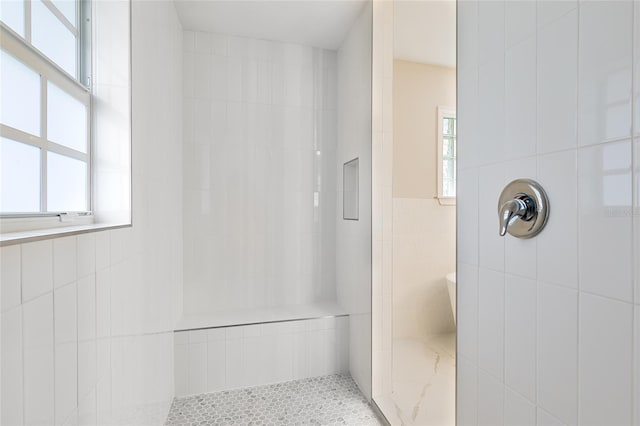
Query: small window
point(45, 107)
point(446, 155)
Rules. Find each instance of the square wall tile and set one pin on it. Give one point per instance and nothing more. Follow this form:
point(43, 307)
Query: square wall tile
point(520, 335)
point(518, 410)
point(37, 269)
point(490, 400)
point(10, 277)
point(557, 338)
point(558, 243)
point(38, 361)
point(11, 365)
point(520, 97)
point(491, 321)
point(605, 69)
point(557, 83)
point(611, 387)
point(605, 227)
point(64, 260)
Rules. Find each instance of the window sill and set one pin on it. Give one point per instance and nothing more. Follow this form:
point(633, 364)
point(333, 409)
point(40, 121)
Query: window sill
point(446, 201)
point(11, 238)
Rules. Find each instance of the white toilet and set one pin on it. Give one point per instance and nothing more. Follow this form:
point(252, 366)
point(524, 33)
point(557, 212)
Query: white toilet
point(451, 286)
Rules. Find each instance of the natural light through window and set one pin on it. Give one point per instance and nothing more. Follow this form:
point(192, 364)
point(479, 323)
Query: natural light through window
point(446, 155)
point(44, 108)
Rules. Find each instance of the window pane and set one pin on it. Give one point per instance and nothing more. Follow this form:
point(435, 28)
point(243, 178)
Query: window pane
point(448, 177)
point(20, 97)
point(66, 119)
point(66, 184)
point(68, 9)
point(20, 177)
point(449, 150)
point(12, 14)
point(52, 38)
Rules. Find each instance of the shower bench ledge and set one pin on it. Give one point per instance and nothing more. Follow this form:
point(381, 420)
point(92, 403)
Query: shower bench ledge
point(232, 318)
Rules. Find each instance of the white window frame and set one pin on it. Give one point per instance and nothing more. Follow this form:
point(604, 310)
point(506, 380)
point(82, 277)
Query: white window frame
point(442, 113)
point(22, 49)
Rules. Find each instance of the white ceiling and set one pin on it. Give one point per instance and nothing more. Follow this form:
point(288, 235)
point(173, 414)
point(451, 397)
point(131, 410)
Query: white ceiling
point(323, 23)
point(425, 31)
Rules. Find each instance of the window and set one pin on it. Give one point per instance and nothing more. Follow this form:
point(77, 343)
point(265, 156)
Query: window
point(45, 108)
point(446, 155)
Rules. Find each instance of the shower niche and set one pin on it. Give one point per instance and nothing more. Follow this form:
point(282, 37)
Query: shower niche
point(350, 190)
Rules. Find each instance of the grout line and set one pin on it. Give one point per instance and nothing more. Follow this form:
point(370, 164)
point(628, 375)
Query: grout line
point(578, 219)
point(635, 411)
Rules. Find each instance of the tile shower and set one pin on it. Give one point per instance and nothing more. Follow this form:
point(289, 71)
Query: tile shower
point(229, 276)
point(272, 271)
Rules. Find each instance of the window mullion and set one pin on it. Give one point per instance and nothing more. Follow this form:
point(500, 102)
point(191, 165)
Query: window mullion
point(27, 20)
point(53, 9)
point(43, 151)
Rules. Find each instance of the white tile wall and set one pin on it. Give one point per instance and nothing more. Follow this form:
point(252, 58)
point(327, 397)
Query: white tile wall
point(353, 241)
point(597, 342)
point(211, 360)
point(37, 269)
point(518, 410)
point(259, 142)
point(79, 347)
point(520, 335)
point(605, 70)
point(574, 304)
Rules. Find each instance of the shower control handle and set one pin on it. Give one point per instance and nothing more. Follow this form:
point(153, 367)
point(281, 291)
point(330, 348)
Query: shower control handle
point(514, 209)
point(523, 209)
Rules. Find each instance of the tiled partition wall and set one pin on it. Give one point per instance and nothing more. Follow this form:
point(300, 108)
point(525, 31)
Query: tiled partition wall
point(353, 249)
point(549, 328)
point(87, 320)
point(382, 198)
point(259, 173)
point(216, 359)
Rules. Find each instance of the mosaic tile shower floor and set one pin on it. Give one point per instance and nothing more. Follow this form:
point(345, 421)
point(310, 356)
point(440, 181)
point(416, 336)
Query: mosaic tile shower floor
point(328, 400)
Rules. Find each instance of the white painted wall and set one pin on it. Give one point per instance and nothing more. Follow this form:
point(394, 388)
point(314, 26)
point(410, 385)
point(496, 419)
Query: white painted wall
point(548, 327)
point(87, 320)
point(259, 180)
point(353, 238)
